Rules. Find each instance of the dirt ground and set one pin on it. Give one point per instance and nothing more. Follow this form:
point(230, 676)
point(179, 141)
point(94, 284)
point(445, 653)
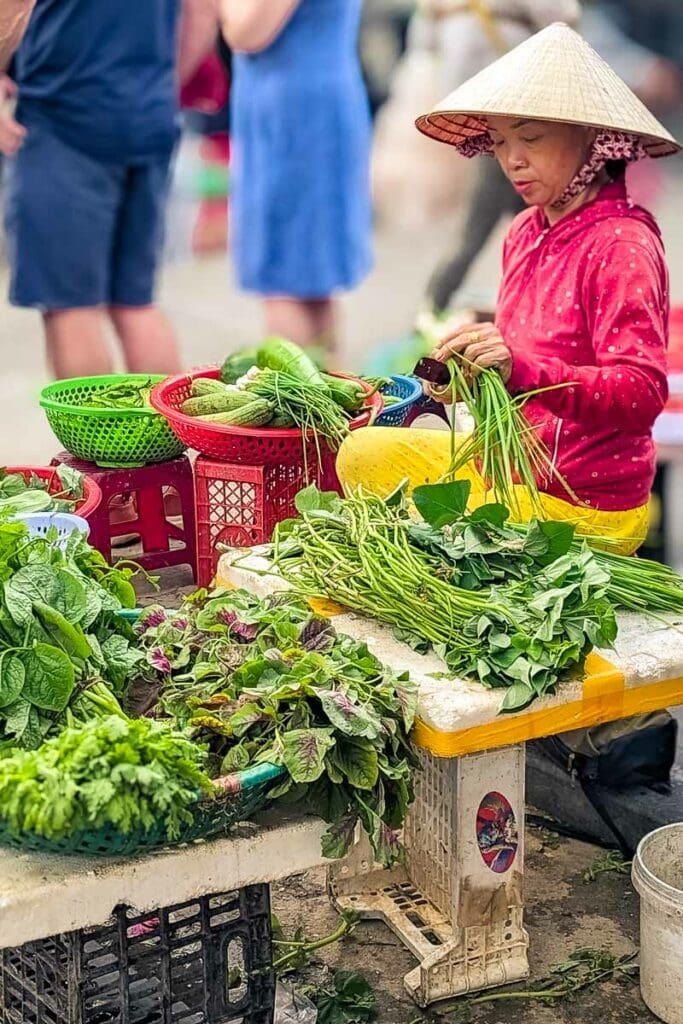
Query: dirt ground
point(563, 913)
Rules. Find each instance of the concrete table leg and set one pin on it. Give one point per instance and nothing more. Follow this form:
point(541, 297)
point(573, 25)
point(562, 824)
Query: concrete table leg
point(457, 904)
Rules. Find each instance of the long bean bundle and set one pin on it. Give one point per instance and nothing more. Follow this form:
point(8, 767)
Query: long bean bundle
point(307, 404)
point(522, 635)
point(503, 443)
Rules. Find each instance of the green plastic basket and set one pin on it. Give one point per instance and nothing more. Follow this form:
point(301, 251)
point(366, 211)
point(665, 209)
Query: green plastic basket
point(108, 437)
point(243, 794)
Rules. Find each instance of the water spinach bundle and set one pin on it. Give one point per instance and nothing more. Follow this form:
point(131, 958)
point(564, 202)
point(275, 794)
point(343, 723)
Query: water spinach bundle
point(517, 611)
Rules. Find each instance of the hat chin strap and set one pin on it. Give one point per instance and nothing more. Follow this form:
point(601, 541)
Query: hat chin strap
point(607, 145)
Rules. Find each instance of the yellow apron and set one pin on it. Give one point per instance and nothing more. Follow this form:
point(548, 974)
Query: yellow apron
point(380, 458)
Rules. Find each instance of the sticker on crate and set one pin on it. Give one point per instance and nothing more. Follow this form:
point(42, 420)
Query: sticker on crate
point(497, 835)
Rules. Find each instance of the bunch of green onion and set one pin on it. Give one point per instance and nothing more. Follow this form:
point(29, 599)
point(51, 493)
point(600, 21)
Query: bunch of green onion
point(504, 445)
point(308, 405)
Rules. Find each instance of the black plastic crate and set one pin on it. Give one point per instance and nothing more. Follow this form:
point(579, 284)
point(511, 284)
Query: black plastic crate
point(208, 961)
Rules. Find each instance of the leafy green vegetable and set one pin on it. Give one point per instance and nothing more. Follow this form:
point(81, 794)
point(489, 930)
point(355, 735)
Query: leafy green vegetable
point(126, 394)
point(270, 681)
point(49, 677)
point(441, 504)
point(605, 863)
point(60, 632)
point(486, 546)
point(510, 609)
point(111, 771)
point(19, 495)
point(351, 1001)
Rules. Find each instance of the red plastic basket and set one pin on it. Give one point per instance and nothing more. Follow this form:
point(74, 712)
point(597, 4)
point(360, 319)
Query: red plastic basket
point(252, 446)
point(92, 495)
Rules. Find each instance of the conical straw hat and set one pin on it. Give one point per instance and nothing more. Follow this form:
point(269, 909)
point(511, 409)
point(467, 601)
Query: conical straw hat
point(552, 76)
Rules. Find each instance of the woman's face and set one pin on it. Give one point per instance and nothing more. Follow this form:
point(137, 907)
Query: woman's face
point(540, 158)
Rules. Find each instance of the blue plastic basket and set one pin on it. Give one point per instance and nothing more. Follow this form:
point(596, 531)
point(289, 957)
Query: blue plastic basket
point(409, 390)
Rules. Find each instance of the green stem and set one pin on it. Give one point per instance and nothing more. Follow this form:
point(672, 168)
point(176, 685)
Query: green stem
point(311, 947)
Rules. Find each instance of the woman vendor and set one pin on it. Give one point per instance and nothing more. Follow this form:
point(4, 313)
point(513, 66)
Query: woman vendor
point(583, 301)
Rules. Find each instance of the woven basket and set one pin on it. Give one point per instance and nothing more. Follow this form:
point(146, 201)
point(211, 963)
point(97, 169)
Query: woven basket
point(242, 795)
point(108, 437)
point(409, 390)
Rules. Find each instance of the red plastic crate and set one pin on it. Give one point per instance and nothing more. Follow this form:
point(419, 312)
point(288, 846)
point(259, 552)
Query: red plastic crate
point(241, 505)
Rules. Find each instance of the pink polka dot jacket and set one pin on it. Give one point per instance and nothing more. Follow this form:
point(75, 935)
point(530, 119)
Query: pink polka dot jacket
point(585, 303)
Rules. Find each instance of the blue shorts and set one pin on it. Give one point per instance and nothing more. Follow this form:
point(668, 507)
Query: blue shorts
point(82, 232)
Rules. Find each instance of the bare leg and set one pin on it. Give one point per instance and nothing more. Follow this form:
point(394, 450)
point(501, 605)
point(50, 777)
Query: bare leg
point(147, 339)
point(325, 315)
point(305, 321)
point(75, 341)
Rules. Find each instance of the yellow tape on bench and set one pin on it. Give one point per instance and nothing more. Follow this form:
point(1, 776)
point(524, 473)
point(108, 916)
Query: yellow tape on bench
point(579, 714)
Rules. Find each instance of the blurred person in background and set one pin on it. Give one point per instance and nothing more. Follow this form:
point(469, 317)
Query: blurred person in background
point(14, 17)
point(96, 122)
point(655, 24)
point(301, 213)
point(640, 59)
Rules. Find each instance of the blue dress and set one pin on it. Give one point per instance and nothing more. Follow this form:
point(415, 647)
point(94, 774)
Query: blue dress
point(301, 216)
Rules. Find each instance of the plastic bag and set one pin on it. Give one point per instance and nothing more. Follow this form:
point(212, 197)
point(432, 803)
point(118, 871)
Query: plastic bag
point(293, 1008)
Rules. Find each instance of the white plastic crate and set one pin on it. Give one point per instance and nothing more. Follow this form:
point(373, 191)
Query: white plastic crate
point(458, 902)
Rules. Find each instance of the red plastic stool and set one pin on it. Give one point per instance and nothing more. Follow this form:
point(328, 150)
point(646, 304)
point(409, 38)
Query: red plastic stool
point(241, 505)
point(146, 484)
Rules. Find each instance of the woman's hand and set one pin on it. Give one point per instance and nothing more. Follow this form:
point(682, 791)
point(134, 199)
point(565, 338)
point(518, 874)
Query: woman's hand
point(481, 345)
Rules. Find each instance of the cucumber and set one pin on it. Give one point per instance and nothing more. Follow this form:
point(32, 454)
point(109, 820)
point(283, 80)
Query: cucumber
point(207, 386)
point(256, 413)
point(346, 393)
point(236, 365)
point(281, 354)
point(217, 401)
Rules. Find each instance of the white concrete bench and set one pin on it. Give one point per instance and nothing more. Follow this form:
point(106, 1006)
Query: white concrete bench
point(47, 894)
